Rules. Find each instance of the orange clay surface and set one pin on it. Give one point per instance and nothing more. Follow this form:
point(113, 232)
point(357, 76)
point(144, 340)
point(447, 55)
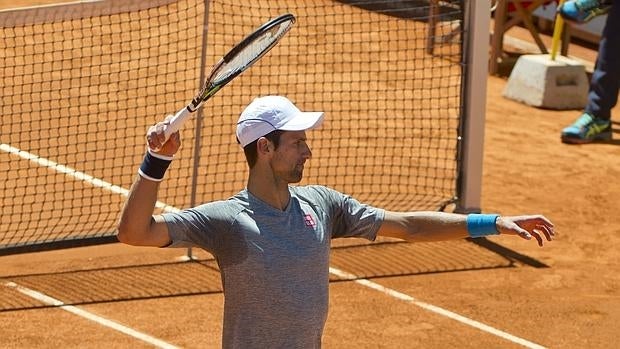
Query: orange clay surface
point(571, 302)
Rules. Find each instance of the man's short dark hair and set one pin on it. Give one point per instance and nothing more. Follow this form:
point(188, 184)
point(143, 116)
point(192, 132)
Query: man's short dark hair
point(251, 151)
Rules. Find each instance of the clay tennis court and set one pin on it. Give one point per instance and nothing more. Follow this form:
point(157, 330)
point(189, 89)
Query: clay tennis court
point(564, 295)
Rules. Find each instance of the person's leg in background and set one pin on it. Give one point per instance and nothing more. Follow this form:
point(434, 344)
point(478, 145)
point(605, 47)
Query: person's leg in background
point(581, 11)
point(595, 123)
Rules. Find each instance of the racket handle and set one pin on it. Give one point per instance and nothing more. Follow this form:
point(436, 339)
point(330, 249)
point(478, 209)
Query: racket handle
point(176, 122)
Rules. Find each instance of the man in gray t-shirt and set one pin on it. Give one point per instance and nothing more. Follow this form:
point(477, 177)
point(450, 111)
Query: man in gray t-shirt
point(286, 254)
point(272, 240)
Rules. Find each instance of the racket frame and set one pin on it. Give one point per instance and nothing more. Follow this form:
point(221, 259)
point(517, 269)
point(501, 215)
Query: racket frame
point(209, 88)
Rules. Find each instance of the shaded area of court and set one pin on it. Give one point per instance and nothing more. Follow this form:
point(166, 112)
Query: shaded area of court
point(201, 276)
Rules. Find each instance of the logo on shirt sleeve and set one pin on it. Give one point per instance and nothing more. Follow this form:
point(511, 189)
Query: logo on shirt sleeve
point(309, 221)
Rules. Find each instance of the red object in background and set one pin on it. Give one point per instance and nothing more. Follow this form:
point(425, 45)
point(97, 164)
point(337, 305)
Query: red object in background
point(525, 4)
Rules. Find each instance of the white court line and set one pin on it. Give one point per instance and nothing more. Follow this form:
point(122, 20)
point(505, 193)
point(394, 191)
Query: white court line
point(337, 272)
point(435, 309)
point(76, 174)
point(90, 316)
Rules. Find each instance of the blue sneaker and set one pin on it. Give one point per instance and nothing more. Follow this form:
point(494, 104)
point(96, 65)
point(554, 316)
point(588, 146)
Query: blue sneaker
point(582, 11)
point(587, 129)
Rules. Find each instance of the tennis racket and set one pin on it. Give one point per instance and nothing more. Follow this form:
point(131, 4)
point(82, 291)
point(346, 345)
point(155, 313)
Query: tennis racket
point(235, 62)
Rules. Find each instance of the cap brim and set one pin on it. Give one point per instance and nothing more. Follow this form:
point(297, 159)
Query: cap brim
point(303, 121)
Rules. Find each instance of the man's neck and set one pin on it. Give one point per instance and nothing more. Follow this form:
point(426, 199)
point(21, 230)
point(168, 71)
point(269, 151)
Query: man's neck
point(269, 190)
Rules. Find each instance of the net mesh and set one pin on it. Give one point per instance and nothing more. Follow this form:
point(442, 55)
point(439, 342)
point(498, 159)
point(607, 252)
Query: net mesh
point(80, 89)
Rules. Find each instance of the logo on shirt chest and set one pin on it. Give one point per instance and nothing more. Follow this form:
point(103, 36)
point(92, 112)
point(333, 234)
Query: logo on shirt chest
point(309, 221)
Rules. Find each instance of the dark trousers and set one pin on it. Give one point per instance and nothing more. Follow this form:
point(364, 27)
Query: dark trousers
point(605, 81)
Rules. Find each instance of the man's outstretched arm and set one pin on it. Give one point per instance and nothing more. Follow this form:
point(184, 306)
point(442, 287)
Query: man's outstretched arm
point(440, 226)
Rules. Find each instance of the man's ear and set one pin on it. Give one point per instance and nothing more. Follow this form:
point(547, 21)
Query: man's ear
point(263, 145)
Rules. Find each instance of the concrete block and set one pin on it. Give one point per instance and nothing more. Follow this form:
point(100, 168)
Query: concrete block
point(538, 81)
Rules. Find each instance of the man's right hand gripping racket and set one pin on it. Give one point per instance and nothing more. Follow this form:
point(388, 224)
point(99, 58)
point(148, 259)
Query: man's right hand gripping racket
point(235, 62)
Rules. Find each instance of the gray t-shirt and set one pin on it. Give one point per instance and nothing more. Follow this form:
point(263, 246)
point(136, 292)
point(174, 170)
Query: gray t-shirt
point(274, 264)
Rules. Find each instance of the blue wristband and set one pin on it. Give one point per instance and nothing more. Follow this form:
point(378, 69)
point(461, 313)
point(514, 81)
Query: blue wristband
point(154, 166)
point(479, 225)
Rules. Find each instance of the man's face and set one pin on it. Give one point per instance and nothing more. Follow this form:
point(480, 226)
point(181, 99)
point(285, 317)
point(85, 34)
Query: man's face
point(288, 159)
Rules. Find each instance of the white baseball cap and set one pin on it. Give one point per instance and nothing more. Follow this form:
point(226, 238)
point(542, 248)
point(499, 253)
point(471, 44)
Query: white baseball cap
point(270, 113)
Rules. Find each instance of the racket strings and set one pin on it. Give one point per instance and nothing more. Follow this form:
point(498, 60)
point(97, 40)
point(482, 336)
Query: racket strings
point(252, 52)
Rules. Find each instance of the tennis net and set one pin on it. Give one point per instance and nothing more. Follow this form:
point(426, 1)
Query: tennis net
point(82, 82)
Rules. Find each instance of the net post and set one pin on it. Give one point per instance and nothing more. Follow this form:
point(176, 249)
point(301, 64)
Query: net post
point(199, 114)
point(477, 21)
